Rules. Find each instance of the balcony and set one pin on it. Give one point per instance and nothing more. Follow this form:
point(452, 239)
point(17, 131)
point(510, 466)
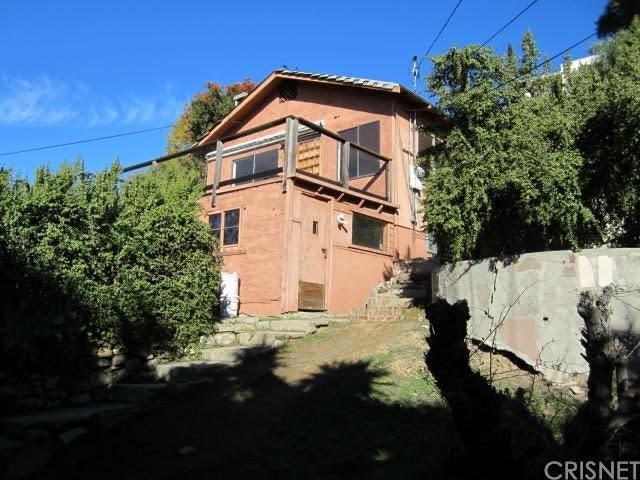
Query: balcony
point(303, 151)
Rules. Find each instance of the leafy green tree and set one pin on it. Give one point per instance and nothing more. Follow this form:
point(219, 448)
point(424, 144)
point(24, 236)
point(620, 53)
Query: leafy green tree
point(617, 15)
point(84, 257)
point(204, 112)
point(55, 237)
point(167, 276)
point(610, 138)
point(507, 179)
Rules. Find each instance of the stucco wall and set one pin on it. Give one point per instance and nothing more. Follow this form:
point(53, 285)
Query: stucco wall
point(536, 296)
point(354, 269)
point(258, 255)
point(268, 255)
point(342, 107)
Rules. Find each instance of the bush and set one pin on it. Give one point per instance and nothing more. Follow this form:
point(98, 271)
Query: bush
point(87, 262)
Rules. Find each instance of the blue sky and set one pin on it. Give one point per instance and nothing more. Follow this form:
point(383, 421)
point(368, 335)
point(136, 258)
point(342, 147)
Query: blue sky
point(72, 70)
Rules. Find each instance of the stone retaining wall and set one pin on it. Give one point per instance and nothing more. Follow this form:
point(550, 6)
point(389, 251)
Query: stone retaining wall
point(38, 391)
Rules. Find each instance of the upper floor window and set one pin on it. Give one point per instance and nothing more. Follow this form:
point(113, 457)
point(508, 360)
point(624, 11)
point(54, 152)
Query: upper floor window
point(225, 226)
point(255, 167)
point(360, 163)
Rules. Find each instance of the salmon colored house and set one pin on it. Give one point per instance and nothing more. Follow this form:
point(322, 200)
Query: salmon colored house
point(312, 189)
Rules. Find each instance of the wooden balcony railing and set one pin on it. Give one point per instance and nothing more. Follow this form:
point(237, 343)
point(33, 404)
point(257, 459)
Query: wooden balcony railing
point(305, 150)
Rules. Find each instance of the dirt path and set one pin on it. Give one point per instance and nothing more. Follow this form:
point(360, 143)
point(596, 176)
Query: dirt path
point(248, 423)
point(348, 343)
point(352, 401)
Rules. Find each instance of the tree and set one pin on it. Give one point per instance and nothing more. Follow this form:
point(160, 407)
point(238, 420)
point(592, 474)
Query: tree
point(617, 15)
point(204, 112)
point(610, 139)
point(507, 180)
point(84, 256)
point(167, 275)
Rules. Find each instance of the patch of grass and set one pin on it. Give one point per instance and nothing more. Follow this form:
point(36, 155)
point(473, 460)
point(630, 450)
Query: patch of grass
point(553, 409)
point(321, 335)
point(410, 389)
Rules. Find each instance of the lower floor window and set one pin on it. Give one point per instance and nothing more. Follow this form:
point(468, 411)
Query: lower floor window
point(225, 226)
point(368, 232)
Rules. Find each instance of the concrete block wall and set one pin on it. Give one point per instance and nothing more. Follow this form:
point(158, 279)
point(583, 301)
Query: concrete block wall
point(527, 305)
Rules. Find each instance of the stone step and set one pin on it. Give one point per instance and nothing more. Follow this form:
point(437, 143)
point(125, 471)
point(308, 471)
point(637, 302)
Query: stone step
point(390, 301)
point(297, 325)
point(61, 419)
point(138, 393)
point(181, 372)
point(256, 338)
point(340, 319)
point(230, 355)
point(248, 319)
point(380, 314)
point(269, 337)
point(235, 327)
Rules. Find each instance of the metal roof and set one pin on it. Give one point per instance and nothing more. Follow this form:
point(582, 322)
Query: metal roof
point(360, 82)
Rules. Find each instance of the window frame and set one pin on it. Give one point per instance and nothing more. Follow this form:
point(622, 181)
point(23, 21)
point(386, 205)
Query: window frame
point(354, 152)
point(253, 175)
point(383, 223)
point(221, 232)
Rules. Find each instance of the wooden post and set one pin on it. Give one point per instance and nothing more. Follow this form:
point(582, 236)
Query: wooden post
point(218, 172)
point(290, 150)
point(344, 164)
point(387, 175)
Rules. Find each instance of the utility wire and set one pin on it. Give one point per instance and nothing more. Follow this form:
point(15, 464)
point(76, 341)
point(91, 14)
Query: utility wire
point(34, 149)
point(440, 32)
point(507, 82)
point(498, 32)
point(502, 29)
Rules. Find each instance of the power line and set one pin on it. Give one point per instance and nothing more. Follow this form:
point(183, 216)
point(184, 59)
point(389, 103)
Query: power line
point(34, 149)
point(507, 82)
point(440, 32)
point(502, 29)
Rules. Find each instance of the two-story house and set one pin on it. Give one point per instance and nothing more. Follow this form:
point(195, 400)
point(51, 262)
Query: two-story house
point(312, 190)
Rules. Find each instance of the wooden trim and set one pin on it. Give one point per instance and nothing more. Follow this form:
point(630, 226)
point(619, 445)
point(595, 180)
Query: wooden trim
point(359, 249)
point(338, 137)
point(254, 177)
point(311, 296)
point(336, 187)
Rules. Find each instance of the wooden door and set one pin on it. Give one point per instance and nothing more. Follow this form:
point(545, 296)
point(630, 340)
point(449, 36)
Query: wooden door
point(314, 250)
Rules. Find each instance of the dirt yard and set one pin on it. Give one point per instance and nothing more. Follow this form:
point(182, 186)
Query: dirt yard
point(352, 401)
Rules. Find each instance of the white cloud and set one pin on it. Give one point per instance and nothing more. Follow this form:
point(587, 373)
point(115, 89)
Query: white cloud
point(39, 101)
point(45, 102)
point(138, 109)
